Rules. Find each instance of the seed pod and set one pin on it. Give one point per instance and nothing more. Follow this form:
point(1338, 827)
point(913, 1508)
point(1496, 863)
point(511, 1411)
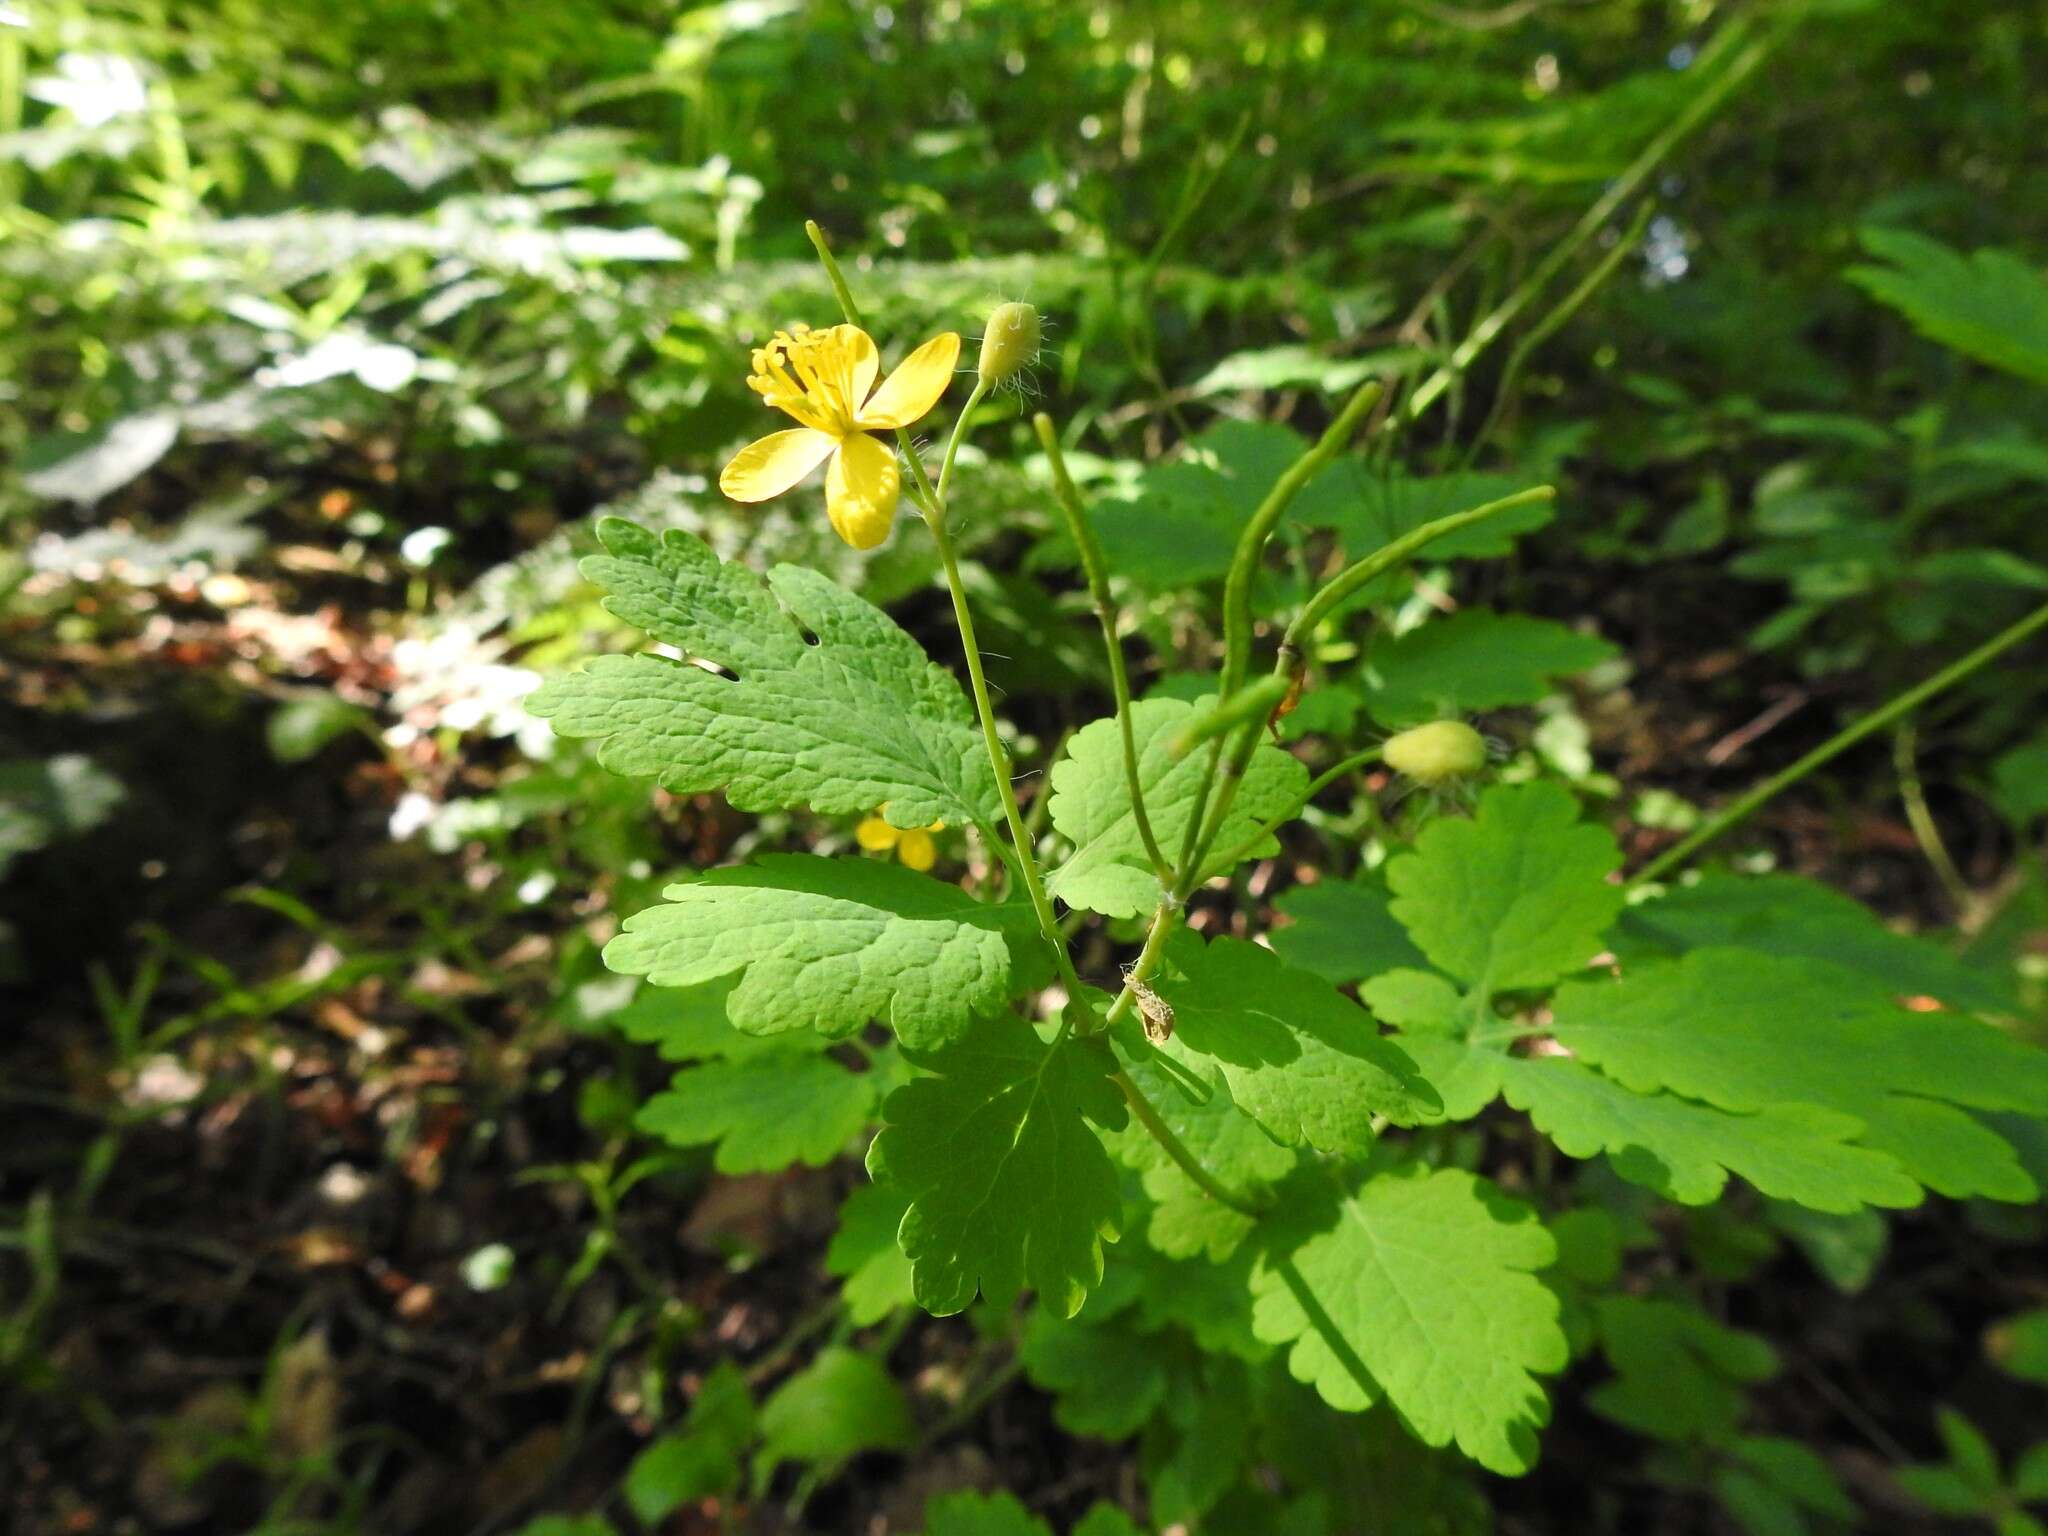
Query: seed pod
point(1436, 753)
point(1009, 344)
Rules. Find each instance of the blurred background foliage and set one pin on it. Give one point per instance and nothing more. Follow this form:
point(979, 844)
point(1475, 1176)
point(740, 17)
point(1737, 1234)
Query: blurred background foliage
point(325, 330)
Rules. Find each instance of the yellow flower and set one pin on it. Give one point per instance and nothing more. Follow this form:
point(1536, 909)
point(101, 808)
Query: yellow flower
point(914, 847)
point(826, 380)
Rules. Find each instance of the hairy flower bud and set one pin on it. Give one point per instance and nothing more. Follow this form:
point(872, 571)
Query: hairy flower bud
point(1009, 344)
point(1436, 753)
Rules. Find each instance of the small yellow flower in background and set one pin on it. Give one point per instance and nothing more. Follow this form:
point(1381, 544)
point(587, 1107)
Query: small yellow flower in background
point(826, 380)
point(914, 847)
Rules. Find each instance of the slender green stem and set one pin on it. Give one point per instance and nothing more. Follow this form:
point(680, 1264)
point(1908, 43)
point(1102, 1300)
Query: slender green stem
point(1920, 817)
point(1096, 569)
point(934, 509)
point(1385, 558)
point(998, 756)
point(1164, 919)
point(1148, 1116)
point(1322, 781)
point(1237, 597)
point(1289, 663)
point(1251, 544)
point(974, 398)
point(1619, 191)
point(1551, 323)
point(1026, 865)
point(1898, 709)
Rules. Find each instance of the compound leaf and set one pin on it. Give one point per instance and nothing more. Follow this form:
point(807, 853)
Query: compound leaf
point(832, 943)
point(1302, 1059)
point(1679, 1375)
point(765, 1112)
point(863, 718)
point(692, 1024)
point(1515, 897)
point(1686, 1150)
point(1008, 1183)
point(1418, 1286)
point(1091, 804)
point(978, 1514)
point(865, 1256)
point(1184, 1221)
point(1472, 661)
point(1782, 914)
point(1745, 1031)
point(1106, 1379)
point(1990, 305)
point(1343, 930)
point(841, 1404)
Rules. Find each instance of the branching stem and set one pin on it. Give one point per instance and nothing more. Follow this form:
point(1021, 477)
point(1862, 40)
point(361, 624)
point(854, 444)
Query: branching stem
point(1898, 709)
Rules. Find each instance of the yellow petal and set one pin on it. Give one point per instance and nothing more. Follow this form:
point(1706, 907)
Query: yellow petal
point(861, 490)
point(875, 834)
point(916, 849)
point(771, 465)
point(864, 359)
point(915, 386)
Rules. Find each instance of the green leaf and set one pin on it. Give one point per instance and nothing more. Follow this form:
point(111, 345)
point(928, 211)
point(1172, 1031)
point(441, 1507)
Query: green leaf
point(299, 727)
point(1286, 367)
point(1845, 1249)
point(701, 1459)
point(1344, 930)
point(86, 466)
point(765, 1112)
point(1091, 805)
point(1181, 528)
point(1210, 1302)
point(977, 1514)
point(2020, 782)
point(1679, 1375)
point(1184, 1221)
point(1420, 1286)
point(1968, 1451)
point(1942, 1490)
point(568, 1525)
point(1106, 1520)
point(865, 1255)
point(1370, 510)
point(1746, 1031)
point(1789, 915)
point(1516, 897)
point(858, 720)
point(1685, 1150)
point(1302, 1059)
point(43, 800)
point(841, 1404)
point(1106, 1379)
point(692, 1024)
point(833, 943)
point(1008, 1184)
point(1795, 1471)
point(1991, 305)
point(2019, 1346)
point(1474, 660)
point(1197, 1454)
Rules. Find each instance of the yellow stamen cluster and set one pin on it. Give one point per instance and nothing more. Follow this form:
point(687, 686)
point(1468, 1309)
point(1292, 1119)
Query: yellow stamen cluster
point(809, 374)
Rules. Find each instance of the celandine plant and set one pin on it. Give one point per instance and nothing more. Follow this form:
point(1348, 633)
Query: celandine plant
point(1228, 1181)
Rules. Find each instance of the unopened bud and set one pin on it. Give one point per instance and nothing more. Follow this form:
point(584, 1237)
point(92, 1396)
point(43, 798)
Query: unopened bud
point(1436, 753)
point(1009, 344)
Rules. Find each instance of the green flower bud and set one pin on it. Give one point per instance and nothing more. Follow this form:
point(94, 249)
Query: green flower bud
point(1436, 753)
point(1009, 344)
